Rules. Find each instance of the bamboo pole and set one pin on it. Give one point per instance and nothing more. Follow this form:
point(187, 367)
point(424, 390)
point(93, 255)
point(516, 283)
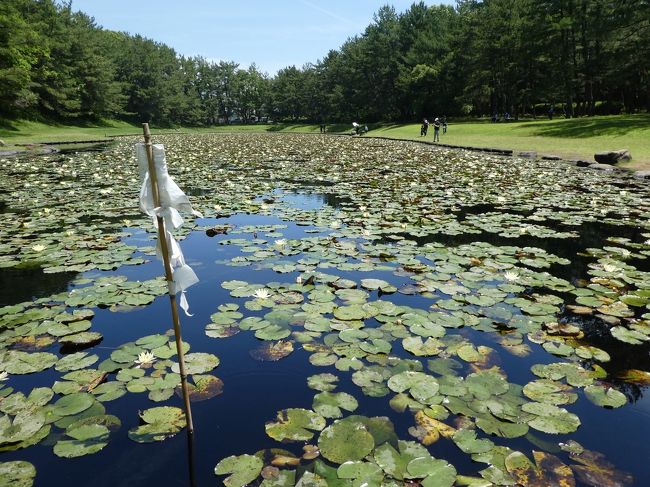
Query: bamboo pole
point(162, 238)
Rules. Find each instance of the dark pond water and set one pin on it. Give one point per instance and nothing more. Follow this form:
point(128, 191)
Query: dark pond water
point(233, 423)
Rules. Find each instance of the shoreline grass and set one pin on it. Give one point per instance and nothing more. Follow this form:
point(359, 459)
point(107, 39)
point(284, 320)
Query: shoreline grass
point(567, 138)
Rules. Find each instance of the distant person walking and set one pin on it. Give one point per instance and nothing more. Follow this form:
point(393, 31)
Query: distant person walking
point(436, 130)
point(322, 128)
point(424, 128)
point(444, 124)
point(550, 112)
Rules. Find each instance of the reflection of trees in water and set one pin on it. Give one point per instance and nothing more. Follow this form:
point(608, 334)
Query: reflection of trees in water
point(624, 356)
point(19, 285)
point(334, 200)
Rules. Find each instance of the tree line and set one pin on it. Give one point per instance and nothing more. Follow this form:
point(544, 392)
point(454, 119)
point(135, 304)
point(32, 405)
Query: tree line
point(582, 57)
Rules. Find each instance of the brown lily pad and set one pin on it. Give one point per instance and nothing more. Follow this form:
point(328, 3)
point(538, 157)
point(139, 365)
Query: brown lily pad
point(597, 471)
point(204, 387)
point(547, 470)
point(272, 352)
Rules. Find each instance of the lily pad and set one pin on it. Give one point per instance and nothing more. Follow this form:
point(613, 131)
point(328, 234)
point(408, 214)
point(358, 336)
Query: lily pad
point(547, 470)
point(595, 470)
point(330, 404)
point(160, 423)
point(345, 440)
point(198, 363)
point(295, 425)
point(17, 474)
point(551, 419)
point(16, 362)
point(242, 470)
point(605, 396)
point(272, 352)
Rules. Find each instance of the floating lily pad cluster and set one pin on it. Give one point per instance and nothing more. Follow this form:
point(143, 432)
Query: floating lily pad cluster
point(463, 239)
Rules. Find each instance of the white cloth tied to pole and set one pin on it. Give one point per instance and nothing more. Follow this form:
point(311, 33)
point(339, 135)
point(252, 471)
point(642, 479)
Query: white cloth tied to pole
point(172, 202)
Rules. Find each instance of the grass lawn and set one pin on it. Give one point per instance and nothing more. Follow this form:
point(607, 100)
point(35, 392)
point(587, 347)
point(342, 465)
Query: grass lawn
point(569, 138)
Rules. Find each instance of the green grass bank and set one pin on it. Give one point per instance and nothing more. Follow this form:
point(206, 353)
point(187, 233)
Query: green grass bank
point(568, 138)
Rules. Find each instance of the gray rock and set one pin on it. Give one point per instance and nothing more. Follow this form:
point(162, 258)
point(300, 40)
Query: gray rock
point(642, 174)
point(2, 143)
point(601, 167)
point(528, 154)
point(612, 157)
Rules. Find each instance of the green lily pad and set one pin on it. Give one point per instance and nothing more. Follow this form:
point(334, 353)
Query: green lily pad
point(467, 441)
point(549, 392)
point(420, 385)
point(329, 404)
point(17, 474)
point(78, 448)
point(605, 396)
point(83, 338)
point(198, 363)
point(295, 425)
point(75, 361)
point(362, 473)
point(24, 425)
point(73, 404)
point(242, 470)
point(160, 423)
point(322, 382)
point(345, 440)
point(395, 462)
point(16, 362)
point(551, 419)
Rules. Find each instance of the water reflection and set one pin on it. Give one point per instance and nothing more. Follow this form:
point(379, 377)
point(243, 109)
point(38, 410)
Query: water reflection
point(20, 285)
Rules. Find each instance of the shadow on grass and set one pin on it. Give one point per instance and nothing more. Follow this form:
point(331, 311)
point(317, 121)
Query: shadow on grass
point(7, 127)
point(589, 127)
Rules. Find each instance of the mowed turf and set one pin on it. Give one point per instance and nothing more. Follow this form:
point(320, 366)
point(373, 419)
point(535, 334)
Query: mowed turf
point(568, 138)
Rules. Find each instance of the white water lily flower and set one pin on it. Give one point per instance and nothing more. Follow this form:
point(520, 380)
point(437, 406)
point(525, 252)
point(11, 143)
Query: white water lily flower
point(625, 252)
point(511, 276)
point(4, 376)
point(262, 294)
point(647, 242)
point(335, 224)
point(299, 280)
point(610, 268)
point(145, 358)
point(38, 248)
point(280, 242)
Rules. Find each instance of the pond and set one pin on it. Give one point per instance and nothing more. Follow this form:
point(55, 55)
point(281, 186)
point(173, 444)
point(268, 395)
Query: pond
point(369, 312)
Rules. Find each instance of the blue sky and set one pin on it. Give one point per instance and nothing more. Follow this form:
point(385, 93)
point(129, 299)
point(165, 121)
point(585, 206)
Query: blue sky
point(271, 33)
